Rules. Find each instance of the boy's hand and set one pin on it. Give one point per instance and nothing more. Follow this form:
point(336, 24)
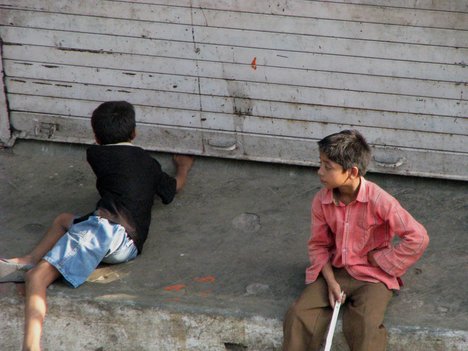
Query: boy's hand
point(334, 289)
point(334, 294)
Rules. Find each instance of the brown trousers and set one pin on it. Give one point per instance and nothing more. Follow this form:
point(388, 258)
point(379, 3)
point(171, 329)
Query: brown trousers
point(307, 320)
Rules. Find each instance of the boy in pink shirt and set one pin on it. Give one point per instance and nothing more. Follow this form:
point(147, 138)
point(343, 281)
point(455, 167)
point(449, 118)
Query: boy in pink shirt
point(351, 250)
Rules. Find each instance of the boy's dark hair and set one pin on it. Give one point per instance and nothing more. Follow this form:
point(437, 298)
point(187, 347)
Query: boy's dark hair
point(113, 122)
point(348, 148)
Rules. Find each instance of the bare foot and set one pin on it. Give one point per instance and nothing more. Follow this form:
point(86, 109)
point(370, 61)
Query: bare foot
point(27, 260)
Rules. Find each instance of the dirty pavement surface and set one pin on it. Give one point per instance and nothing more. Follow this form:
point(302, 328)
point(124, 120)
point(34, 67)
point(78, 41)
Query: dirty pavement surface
point(233, 242)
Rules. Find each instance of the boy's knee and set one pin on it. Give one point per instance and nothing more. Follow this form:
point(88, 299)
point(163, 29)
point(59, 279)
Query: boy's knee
point(297, 312)
point(42, 274)
point(362, 326)
point(294, 310)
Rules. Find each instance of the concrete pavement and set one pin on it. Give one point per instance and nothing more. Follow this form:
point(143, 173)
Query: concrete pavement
point(223, 262)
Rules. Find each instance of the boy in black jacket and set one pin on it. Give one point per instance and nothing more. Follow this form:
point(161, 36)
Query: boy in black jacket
point(127, 180)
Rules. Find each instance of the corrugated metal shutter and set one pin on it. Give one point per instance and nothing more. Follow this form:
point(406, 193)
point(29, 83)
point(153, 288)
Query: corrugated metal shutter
point(258, 80)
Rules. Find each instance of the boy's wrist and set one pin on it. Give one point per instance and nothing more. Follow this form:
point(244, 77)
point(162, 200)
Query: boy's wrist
point(183, 163)
point(182, 170)
point(331, 281)
point(328, 275)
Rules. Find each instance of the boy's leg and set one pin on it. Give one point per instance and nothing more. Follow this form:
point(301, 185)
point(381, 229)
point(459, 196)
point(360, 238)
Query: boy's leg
point(37, 281)
point(307, 320)
point(363, 317)
point(58, 228)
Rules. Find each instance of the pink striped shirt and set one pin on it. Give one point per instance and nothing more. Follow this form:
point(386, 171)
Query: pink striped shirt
point(345, 234)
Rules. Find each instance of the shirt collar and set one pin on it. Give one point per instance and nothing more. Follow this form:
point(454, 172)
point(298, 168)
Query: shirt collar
point(362, 195)
point(122, 143)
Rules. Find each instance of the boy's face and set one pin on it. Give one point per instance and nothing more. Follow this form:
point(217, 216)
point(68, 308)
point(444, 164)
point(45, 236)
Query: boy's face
point(332, 175)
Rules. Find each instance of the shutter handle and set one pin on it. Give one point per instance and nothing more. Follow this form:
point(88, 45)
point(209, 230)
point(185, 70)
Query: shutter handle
point(223, 147)
point(396, 164)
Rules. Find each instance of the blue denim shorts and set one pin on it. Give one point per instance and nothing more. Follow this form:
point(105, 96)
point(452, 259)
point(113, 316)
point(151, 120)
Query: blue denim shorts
point(80, 250)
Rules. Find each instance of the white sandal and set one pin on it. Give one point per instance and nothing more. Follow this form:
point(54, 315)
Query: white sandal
point(12, 272)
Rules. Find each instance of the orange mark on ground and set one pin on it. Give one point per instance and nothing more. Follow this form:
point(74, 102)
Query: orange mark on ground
point(176, 287)
point(254, 63)
point(207, 279)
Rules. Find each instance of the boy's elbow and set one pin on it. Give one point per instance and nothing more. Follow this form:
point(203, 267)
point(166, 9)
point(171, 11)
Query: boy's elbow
point(425, 239)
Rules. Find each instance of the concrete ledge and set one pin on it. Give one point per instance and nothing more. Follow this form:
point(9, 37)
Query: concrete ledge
point(82, 324)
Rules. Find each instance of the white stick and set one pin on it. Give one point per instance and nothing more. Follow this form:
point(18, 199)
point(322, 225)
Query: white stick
point(331, 329)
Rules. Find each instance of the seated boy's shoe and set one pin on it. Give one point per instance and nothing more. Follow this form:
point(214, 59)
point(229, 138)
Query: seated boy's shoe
point(12, 272)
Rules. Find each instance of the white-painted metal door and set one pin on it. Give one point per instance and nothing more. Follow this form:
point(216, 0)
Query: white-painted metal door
point(257, 80)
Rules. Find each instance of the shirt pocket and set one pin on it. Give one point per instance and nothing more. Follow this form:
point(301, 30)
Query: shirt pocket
point(371, 237)
point(365, 239)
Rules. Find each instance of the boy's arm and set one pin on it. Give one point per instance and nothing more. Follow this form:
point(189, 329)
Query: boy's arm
point(395, 260)
point(183, 165)
point(320, 245)
point(320, 242)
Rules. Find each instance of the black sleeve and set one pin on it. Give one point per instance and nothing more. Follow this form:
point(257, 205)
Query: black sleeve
point(166, 186)
point(83, 218)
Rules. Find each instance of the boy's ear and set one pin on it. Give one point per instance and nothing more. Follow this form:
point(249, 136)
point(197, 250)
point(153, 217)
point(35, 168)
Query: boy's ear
point(133, 136)
point(354, 172)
